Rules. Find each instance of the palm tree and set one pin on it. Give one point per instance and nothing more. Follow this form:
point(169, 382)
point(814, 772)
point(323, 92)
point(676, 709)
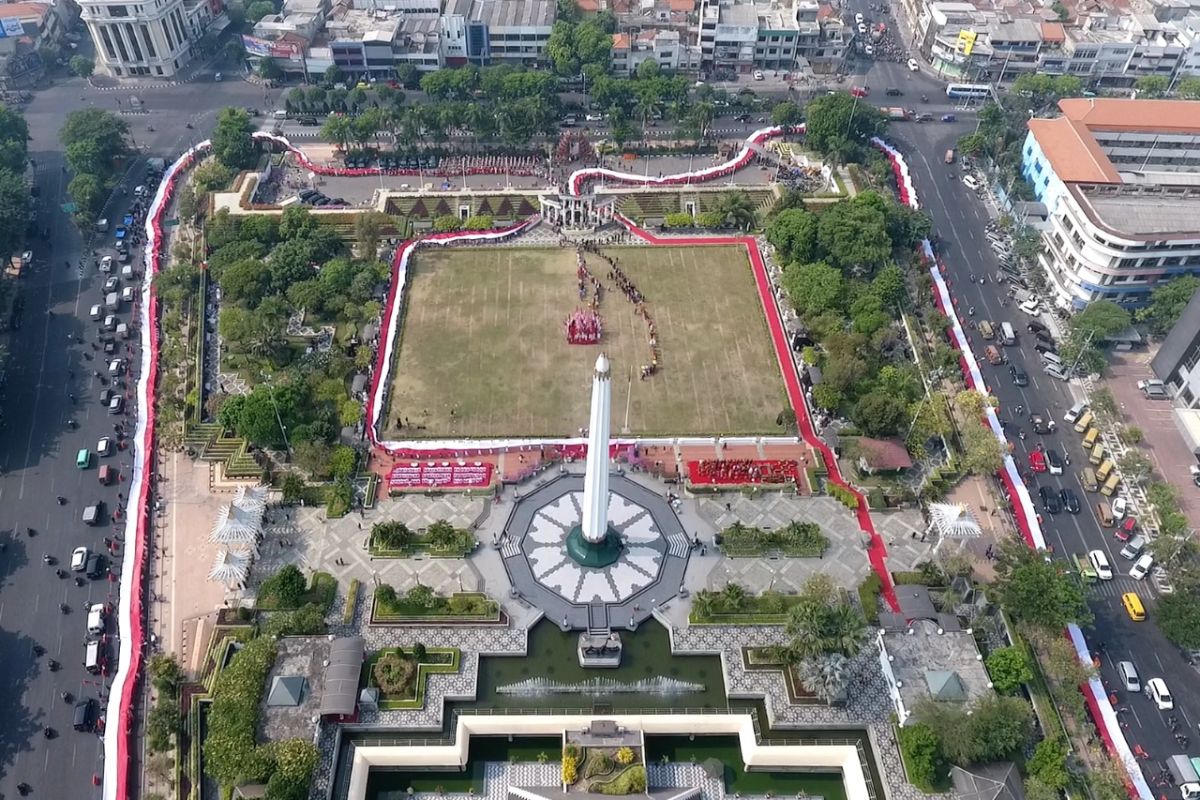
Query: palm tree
point(737, 207)
point(703, 604)
point(825, 676)
point(806, 624)
point(703, 114)
point(847, 630)
point(339, 130)
point(734, 596)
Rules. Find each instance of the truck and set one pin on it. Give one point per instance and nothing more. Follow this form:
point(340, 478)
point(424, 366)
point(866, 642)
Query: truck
point(895, 113)
point(1181, 769)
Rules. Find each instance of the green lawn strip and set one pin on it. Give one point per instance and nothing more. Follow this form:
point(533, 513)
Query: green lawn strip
point(388, 702)
point(768, 609)
point(481, 609)
point(795, 540)
point(351, 601)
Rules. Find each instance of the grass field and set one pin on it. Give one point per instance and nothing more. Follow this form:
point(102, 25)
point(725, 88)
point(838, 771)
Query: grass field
point(483, 353)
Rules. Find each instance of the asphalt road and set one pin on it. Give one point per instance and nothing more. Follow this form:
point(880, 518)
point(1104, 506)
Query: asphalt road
point(960, 218)
point(51, 381)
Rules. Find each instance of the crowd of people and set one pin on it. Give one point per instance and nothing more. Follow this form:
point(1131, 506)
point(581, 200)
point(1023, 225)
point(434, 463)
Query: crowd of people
point(742, 470)
point(633, 295)
point(584, 325)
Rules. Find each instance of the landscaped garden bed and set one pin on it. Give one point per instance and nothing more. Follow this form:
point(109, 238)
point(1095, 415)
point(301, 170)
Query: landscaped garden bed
point(420, 605)
point(604, 770)
point(440, 540)
point(401, 673)
point(734, 606)
point(794, 540)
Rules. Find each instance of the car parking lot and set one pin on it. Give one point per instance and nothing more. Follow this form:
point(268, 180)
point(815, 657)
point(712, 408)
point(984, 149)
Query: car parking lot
point(1163, 443)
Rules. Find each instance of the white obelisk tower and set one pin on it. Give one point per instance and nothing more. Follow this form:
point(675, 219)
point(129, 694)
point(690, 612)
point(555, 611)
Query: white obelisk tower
point(595, 479)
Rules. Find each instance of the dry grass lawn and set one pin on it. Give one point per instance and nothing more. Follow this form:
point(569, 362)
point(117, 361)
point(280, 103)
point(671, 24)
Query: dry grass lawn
point(483, 352)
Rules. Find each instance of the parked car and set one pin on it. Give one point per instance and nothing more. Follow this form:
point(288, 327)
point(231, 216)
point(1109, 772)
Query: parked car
point(1070, 500)
point(79, 557)
point(1141, 567)
point(1100, 564)
point(948, 118)
point(1154, 389)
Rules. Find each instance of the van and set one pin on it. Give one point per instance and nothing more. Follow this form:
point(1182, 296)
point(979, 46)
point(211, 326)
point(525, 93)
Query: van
point(1086, 571)
point(1074, 412)
point(83, 458)
point(1110, 485)
point(1096, 455)
point(993, 355)
point(122, 330)
point(280, 114)
point(95, 619)
point(1129, 676)
point(91, 514)
point(83, 718)
point(1090, 438)
point(1133, 606)
point(1133, 548)
point(985, 330)
point(950, 156)
point(1104, 514)
point(1105, 468)
point(1007, 335)
point(112, 301)
point(1052, 358)
point(106, 475)
point(1088, 479)
point(1084, 422)
point(102, 225)
point(92, 657)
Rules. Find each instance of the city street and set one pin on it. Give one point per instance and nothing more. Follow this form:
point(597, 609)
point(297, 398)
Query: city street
point(959, 218)
point(51, 383)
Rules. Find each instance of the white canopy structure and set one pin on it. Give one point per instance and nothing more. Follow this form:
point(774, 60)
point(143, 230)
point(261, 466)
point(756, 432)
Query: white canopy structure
point(230, 569)
point(236, 527)
point(952, 521)
point(253, 499)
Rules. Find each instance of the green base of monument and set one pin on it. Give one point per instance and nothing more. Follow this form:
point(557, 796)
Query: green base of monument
point(595, 555)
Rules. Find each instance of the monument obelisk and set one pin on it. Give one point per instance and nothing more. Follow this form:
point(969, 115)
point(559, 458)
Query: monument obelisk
point(592, 542)
point(595, 477)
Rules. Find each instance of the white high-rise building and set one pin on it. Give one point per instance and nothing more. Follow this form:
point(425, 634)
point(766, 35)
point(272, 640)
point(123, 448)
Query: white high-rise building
point(146, 38)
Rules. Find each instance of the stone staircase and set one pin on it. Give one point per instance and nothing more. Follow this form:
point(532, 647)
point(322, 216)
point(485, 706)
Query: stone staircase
point(209, 442)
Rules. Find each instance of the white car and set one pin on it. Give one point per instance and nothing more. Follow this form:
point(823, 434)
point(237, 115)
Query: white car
point(1100, 563)
point(859, 19)
point(869, 49)
point(594, 117)
point(79, 557)
point(106, 264)
point(1030, 307)
point(1141, 567)
point(912, 65)
point(1154, 389)
point(970, 182)
point(1119, 507)
point(95, 312)
point(104, 446)
point(114, 366)
point(862, 29)
point(758, 76)
point(1159, 694)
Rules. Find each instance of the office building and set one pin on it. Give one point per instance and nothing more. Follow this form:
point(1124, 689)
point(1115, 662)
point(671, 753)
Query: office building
point(147, 38)
point(1120, 180)
point(485, 32)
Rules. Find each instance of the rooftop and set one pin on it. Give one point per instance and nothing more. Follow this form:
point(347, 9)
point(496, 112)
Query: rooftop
point(300, 657)
point(505, 13)
point(930, 665)
point(1138, 211)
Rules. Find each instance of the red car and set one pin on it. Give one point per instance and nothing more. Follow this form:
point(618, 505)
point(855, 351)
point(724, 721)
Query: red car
point(860, 91)
point(1126, 529)
point(1037, 461)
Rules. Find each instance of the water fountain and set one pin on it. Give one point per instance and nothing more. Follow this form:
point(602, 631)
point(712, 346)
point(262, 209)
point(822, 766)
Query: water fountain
point(658, 686)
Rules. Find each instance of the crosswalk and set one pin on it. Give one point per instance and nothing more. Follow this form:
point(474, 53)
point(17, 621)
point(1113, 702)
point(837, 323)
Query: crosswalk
point(677, 545)
point(511, 547)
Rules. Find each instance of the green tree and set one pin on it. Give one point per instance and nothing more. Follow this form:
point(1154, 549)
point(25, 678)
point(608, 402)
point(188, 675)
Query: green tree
point(344, 461)
point(826, 676)
point(14, 146)
point(1168, 300)
point(813, 287)
point(1178, 616)
point(14, 210)
point(1135, 466)
point(1009, 668)
point(421, 596)
point(211, 176)
point(269, 69)
point(87, 193)
point(1048, 763)
point(879, 414)
point(793, 232)
point(165, 674)
point(257, 10)
point(391, 535)
point(737, 207)
point(82, 66)
point(1150, 86)
point(787, 113)
point(854, 234)
point(837, 118)
point(1188, 88)
point(922, 751)
point(105, 130)
point(982, 452)
point(822, 623)
point(1101, 318)
point(1038, 592)
point(232, 143)
point(286, 586)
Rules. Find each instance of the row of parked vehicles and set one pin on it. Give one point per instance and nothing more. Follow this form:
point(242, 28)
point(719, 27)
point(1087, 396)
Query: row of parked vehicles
point(389, 160)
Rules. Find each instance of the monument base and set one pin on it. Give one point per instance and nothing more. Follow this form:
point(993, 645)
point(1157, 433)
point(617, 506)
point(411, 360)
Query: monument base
point(595, 555)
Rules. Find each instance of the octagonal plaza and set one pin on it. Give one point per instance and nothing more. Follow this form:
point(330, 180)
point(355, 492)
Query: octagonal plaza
point(648, 572)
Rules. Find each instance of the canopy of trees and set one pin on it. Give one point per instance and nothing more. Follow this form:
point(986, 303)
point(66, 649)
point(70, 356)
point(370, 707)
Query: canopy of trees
point(93, 140)
point(14, 196)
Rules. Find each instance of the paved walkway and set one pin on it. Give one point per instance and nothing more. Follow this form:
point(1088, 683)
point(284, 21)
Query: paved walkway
point(306, 538)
